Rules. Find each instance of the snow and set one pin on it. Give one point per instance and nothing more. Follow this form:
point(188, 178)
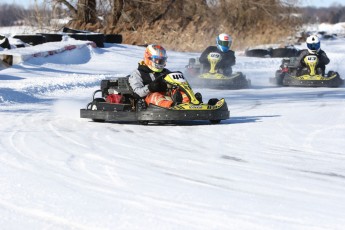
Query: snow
point(277, 163)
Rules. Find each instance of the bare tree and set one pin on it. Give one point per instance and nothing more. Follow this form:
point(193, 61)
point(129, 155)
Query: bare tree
point(116, 11)
point(69, 6)
point(86, 11)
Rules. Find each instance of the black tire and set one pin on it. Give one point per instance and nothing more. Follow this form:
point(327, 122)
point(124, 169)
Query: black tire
point(214, 122)
point(329, 37)
point(278, 79)
point(33, 39)
point(143, 122)
point(20, 46)
point(98, 39)
point(73, 31)
point(257, 53)
point(212, 101)
point(5, 44)
point(52, 37)
point(94, 107)
point(283, 52)
point(113, 38)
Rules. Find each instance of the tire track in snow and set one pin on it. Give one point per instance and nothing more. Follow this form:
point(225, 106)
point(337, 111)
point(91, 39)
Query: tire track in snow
point(46, 216)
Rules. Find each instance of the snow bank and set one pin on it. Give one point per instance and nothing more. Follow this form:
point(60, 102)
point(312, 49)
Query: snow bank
point(47, 49)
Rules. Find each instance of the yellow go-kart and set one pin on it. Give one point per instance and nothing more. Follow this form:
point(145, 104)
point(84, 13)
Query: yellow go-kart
point(214, 78)
point(131, 108)
point(311, 76)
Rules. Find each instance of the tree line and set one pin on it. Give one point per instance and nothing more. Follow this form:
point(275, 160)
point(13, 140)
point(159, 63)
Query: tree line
point(89, 10)
point(332, 15)
point(13, 14)
point(174, 22)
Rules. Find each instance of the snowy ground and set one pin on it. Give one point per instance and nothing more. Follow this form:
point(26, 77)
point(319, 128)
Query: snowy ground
point(277, 163)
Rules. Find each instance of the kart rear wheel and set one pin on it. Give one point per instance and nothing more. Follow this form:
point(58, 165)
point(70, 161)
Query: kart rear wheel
point(94, 107)
point(212, 101)
point(143, 122)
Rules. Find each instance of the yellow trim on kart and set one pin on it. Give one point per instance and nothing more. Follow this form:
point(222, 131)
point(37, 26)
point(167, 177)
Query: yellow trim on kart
point(218, 76)
point(315, 77)
point(202, 106)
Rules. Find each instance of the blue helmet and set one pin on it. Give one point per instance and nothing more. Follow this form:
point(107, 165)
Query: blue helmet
point(224, 42)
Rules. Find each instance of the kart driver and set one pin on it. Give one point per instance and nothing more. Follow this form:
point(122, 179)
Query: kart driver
point(228, 58)
point(313, 48)
point(145, 80)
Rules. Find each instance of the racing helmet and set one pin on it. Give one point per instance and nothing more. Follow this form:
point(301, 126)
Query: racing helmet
point(155, 57)
point(224, 42)
point(313, 44)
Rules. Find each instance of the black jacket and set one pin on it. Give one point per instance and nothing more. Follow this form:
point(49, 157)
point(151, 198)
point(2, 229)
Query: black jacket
point(228, 58)
point(143, 76)
point(323, 59)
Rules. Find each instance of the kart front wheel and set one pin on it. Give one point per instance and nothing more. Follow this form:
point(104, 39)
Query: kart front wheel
point(94, 107)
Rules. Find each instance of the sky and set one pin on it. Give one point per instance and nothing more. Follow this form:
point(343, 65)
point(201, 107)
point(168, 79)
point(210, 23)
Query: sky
point(277, 163)
point(25, 3)
point(322, 3)
point(316, 3)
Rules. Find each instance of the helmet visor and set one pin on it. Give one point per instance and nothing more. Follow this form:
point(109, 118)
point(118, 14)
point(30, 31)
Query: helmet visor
point(158, 60)
point(224, 43)
point(313, 46)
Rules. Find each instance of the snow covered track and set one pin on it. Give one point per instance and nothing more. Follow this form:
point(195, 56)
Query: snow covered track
point(277, 163)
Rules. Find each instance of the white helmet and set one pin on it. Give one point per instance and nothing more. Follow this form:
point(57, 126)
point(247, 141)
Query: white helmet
point(224, 42)
point(313, 44)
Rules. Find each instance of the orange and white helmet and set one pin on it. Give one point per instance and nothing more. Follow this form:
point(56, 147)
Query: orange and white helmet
point(155, 57)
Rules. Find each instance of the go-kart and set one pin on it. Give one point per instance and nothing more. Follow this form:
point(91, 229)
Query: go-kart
point(118, 103)
point(214, 78)
point(311, 76)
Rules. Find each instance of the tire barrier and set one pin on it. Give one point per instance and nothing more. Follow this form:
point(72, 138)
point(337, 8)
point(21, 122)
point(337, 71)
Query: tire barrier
point(113, 38)
point(73, 31)
point(272, 52)
point(52, 37)
point(31, 39)
point(329, 36)
point(20, 46)
point(83, 35)
point(283, 52)
point(4, 43)
point(98, 39)
point(257, 53)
